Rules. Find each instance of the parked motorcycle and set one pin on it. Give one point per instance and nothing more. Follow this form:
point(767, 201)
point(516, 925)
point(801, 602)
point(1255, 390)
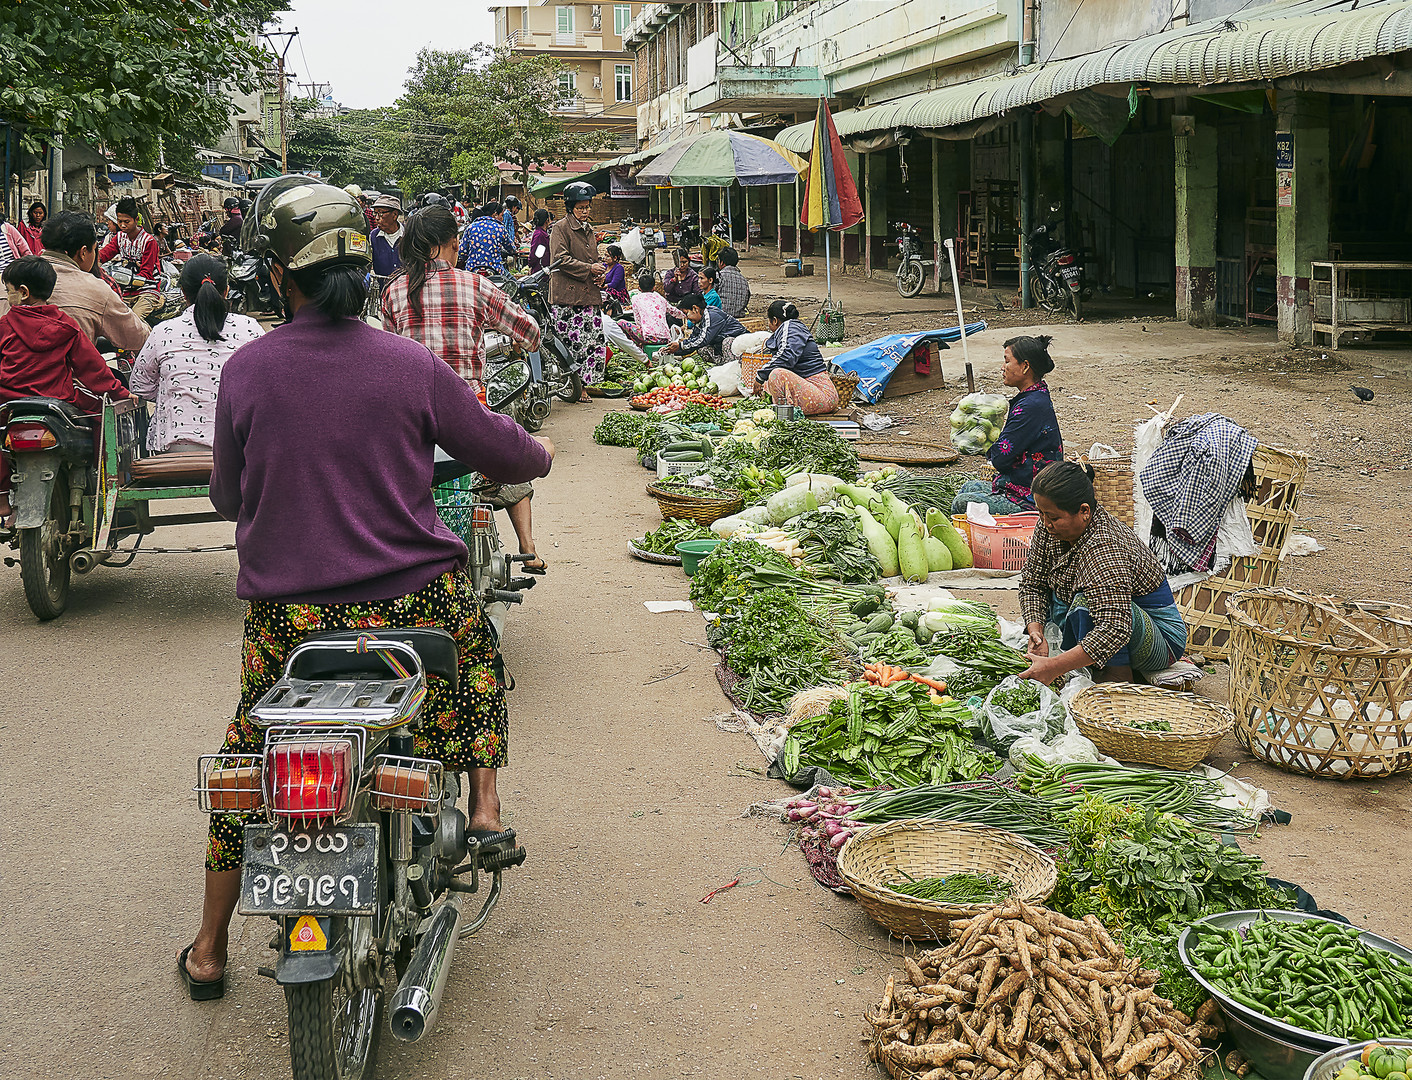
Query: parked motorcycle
point(687, 231)
point(912, 270)
point(553, 371)
point(1056, 273)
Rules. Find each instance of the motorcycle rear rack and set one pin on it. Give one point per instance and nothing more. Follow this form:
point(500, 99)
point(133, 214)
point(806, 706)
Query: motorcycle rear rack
point(376, 703)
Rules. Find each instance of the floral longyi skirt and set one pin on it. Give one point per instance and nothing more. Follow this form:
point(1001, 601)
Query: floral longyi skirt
point(465, 730)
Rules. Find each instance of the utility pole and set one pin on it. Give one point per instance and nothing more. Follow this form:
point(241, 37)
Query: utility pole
point(289, 36)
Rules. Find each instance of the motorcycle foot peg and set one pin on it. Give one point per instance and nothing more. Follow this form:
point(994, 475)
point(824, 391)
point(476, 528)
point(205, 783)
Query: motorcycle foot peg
point(504, 597)
point(267, 972)
point(502, 859)
point(519, 584)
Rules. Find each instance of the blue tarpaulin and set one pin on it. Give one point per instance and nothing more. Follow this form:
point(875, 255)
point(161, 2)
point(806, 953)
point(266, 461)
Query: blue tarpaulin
point(875, 362)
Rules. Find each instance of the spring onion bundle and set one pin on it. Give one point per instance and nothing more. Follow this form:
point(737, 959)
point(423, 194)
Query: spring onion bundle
point(988, 803)
point(1193, 798)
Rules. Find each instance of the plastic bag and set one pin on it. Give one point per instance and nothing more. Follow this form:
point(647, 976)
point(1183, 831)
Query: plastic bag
point(614, 334)
point(631, 243)
point(726, 377)
point(977, 422)
point(1001, 727)
point(748, 343)
point(1070, 748)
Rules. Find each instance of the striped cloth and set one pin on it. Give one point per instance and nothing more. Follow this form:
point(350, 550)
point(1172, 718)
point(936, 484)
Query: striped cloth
point(1158, 631)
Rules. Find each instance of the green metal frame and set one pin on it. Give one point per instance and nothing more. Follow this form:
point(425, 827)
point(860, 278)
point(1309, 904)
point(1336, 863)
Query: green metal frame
point(121, 446)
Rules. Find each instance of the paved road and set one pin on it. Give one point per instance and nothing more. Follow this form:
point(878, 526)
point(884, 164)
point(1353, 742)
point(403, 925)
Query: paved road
point(601, 962)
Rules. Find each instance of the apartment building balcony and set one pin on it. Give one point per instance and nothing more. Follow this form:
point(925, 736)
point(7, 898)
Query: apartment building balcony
point(552, 41)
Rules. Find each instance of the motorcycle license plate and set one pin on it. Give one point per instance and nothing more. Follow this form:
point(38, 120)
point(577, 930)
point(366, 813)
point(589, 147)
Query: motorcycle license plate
point(1070, 273)
point(331, 870)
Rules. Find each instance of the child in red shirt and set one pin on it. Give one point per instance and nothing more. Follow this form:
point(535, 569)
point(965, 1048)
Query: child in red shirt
point(44, 353)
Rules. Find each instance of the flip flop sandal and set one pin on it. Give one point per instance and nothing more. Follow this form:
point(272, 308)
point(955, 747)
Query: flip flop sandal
point(541, 569)
point(200, 989)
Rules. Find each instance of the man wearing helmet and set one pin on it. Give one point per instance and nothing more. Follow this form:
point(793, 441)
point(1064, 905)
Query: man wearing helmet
point(575, 288)
point(325, 432)
point(235, 221)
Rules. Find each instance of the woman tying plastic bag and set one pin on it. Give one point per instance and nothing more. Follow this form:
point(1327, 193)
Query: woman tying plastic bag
point(1091, 576)
point(797, 373)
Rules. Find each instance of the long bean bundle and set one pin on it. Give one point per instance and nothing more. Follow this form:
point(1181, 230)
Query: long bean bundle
point(1190, 797)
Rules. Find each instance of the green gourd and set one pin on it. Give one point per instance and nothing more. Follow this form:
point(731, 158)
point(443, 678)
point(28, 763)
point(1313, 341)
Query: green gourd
point(939, 525)
point(894, 512)
point(911, 553)
point(938, 554)
point(879, 542)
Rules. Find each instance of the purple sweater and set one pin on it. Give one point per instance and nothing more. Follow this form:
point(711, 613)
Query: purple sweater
point(323, 458)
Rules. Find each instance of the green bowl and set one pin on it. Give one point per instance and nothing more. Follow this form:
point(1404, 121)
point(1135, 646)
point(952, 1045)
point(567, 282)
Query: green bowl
point(693, 551)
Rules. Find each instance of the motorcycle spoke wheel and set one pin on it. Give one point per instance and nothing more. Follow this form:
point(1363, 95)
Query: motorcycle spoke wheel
point(911, 276)
point(44, 563)
point(333, 1033)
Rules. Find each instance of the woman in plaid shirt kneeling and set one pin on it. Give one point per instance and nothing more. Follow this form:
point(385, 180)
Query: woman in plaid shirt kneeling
point(1091, 576)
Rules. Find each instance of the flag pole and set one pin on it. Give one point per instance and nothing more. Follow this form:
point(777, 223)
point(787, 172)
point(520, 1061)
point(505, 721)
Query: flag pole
point(828, 266)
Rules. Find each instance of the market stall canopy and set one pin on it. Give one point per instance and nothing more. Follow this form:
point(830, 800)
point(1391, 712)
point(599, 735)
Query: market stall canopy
point(543, 189)
point(1275, 42)
point(721, 158)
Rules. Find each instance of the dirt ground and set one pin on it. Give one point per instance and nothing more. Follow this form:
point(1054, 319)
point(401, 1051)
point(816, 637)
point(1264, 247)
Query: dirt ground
point(604, 961)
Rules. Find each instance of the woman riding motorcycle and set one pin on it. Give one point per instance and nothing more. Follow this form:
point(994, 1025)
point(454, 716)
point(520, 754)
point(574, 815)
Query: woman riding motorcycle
point(325, 430)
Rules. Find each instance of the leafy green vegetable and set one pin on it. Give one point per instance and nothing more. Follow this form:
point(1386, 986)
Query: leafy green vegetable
point(624, 428)
point(834, 546)
point(1151, 874)
point(895, 735)
point(958, 888)
point(1022, 700)
point(808, 446)
point(718, 575)
point(664, 539)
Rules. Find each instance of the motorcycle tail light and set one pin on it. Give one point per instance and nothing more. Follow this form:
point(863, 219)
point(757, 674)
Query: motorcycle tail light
point(310, 779)
point(482, 516)
point(22, 437)
point(1066, 260)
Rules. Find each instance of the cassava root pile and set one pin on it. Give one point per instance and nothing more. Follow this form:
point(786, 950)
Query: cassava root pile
point(1024, 993)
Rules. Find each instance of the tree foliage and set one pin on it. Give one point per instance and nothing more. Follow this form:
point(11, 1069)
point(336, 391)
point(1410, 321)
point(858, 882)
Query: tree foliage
point(345, 148)
point(132, 76)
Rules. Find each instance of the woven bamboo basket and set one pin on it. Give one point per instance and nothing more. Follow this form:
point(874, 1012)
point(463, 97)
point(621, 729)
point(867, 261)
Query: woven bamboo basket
point(1113, 487)
point(1279, 477)
point(1321, 685)
point(750, 365)
point(846, 383)
point(700, 508)
point(925, 848)
point(754, 324)
point(1106, 712)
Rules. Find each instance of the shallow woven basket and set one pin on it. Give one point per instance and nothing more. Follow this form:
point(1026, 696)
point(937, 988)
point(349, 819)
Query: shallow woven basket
point(1279, 478)
point(926, 848)
point(674, 504)
point(1321, 685)
point(1104, 713)
point(754, 324)
point(1113, 488)
point(906, 452)
point(652, 556)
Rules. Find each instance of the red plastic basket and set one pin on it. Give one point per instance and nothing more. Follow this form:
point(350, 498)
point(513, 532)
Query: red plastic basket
point(1004, 545)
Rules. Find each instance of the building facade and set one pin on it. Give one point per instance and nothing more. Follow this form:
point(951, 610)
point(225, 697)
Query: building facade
point(598, 89)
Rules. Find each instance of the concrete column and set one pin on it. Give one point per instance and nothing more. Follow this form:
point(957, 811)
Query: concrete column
point(1195, 148)
point(950, 173)
point(1301, 230)
point(850, 244)
point(703, 215)
point(875, 214)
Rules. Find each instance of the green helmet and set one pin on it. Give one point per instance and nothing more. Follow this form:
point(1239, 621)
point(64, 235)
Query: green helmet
point(301, 222)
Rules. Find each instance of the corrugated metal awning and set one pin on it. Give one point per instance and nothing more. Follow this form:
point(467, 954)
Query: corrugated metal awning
point(1278, 41)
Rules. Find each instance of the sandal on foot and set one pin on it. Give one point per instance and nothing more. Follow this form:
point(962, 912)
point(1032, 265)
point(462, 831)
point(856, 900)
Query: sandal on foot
point(531, 568)
point(200, 989)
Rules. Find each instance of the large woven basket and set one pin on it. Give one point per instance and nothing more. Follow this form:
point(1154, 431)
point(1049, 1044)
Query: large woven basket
point(924, 848)
point(750, 365)
point(1106, 713)
point(1279, 478)
point(846, 383)
point(1321, 685)
point(754, 324)
point(1113, 488)
point(701, 508)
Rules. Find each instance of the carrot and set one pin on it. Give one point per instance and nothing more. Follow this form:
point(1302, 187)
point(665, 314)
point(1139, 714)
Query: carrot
point(935, 684)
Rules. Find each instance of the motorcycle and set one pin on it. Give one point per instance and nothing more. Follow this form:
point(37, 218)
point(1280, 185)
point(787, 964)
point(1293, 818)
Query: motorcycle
point(552, 369)
point(1056, 273)
point(356, 848)
point(687, 231)
point(172, 302)
point(248, 286)
point(911, 271)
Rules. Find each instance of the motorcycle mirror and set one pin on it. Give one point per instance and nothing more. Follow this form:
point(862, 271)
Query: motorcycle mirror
point(507, 382)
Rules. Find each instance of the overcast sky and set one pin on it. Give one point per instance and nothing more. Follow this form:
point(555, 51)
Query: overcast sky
point(364, 47)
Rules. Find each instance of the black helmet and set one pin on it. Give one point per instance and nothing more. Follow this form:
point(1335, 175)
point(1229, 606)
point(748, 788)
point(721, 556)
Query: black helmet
point(231, 204)
point(302, 223)
point(578, 192)
point(432, 198)
point(512, 202)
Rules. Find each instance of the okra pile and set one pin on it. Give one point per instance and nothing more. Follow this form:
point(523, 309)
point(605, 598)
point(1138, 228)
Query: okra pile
point(1314, 974)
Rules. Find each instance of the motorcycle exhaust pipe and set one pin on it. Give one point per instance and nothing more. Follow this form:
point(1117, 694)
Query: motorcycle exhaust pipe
point(83, 561)
point(418, 996)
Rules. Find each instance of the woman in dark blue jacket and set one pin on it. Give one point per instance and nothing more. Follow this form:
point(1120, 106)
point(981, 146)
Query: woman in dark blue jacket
point(1030, 439)
point(797, 373)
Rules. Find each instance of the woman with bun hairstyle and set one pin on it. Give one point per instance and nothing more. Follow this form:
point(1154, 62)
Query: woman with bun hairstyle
point(179, 367)
point(1102, 588)
point(797, 373)
point(1030, 439)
